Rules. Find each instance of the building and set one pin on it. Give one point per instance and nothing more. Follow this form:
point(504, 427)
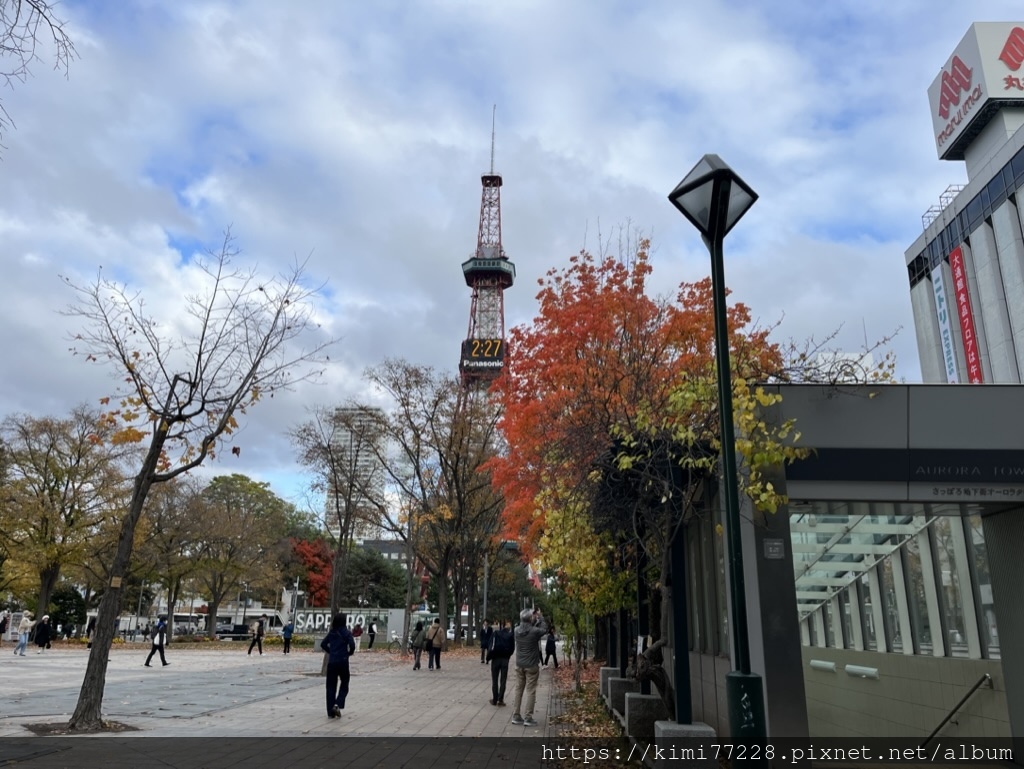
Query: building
point(358, 471)
point(966, 270)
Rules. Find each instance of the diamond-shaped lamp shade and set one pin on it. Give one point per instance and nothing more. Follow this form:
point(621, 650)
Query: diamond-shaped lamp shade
point(693, 195)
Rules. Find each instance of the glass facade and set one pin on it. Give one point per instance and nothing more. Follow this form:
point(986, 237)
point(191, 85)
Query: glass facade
point(1003, 185)
point(924, 565)
point(907, 578)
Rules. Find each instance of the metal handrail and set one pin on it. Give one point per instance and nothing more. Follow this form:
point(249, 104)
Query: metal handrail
point(981, 681)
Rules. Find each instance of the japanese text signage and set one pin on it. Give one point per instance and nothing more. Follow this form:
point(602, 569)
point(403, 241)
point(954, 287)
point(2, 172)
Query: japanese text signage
point(963, 311)
point(945, 327)
point(984, 68)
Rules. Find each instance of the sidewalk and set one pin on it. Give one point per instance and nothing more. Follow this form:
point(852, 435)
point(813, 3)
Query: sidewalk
point(226, 693)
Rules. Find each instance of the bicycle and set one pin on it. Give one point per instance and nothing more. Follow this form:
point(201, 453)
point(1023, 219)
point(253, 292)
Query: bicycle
point(395, 646)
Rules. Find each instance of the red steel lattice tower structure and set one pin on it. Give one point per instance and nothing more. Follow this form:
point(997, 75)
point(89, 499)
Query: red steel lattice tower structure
point(488, 272)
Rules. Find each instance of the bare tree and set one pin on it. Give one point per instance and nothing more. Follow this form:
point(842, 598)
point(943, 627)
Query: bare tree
point(239, 341)
point(24, 27)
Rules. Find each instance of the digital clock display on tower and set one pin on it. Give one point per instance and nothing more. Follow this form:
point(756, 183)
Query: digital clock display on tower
point(483, 354)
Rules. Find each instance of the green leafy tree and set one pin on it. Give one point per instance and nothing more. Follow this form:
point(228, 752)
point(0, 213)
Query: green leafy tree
point(67, 609)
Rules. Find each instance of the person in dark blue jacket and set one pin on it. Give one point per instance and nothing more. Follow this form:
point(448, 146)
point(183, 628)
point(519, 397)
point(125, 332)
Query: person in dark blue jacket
point(339, 645)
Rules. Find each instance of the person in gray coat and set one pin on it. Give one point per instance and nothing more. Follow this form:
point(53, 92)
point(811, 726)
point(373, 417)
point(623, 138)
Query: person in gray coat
point(532, 628)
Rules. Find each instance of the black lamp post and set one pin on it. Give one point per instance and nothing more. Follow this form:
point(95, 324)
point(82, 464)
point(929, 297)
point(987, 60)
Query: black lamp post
point(714, 198)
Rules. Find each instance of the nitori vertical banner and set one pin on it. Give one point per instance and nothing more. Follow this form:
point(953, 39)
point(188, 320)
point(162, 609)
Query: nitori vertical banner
point(963, 311)
point(945, 328)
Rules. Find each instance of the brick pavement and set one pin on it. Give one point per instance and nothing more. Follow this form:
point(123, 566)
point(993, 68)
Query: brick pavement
point(220, 708)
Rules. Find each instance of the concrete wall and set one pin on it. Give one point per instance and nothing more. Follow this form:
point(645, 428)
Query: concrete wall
point(910, 698)
point(707, 690)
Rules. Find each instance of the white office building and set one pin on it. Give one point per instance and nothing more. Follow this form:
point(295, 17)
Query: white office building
point(966, 271)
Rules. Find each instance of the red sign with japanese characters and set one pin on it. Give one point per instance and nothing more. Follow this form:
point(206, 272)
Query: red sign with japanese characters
point(963, 307)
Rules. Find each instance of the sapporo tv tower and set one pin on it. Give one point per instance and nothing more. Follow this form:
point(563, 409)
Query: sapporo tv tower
point(488, 272)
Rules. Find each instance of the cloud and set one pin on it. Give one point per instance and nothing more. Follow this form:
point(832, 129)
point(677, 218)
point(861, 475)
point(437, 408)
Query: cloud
point(352, 137)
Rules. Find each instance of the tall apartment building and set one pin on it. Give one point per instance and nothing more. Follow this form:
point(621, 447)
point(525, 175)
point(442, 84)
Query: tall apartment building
point(966, 270)
point(356, 448)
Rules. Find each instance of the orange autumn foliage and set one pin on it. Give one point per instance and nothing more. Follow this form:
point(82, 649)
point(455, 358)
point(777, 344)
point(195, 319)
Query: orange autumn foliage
point(599, 359)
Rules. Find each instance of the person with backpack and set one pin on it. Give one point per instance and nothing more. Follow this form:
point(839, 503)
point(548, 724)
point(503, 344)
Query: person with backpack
point(339, 645)
point(258, 633)
point(433, 641)
point(159, 637)
point(503, 646)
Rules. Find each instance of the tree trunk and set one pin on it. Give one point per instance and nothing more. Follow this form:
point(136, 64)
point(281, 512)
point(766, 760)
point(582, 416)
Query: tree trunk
point(88, 715)
point(211, 619)
point(442, 604)
point(47, 583)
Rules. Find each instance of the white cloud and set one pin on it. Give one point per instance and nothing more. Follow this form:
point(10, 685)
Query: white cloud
point(354, 134)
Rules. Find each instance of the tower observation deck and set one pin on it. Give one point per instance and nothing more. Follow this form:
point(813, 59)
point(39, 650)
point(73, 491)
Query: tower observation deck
point(488, 273)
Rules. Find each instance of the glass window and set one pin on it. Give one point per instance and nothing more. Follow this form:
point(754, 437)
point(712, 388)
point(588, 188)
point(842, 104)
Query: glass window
point(950, 585)
point(974, 214)
point(978, 556)
point(986, 201)
point(867, 613)
point(919, 623)
point(1017, 167)
point(890, 609)
point(826, 618)
point(812, 631)
point(846, 612)
point(996, 191)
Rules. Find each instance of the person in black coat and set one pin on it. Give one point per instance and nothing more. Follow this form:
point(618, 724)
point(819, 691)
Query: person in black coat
point(339, 645)
point(43, 634)
point(486, 634)
point(550, 649)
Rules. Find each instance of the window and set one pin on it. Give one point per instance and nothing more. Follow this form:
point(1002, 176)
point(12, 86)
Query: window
point(978, 556)
point(1017, 168)
point(890, 609)
point(950, 584)
point(919, 621)
point(867, 614)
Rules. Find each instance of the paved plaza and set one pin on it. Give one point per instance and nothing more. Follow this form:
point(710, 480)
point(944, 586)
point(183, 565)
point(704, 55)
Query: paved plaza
point(224, 697)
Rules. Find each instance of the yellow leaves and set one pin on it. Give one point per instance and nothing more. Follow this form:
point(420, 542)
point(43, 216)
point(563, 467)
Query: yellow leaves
point(127, 435)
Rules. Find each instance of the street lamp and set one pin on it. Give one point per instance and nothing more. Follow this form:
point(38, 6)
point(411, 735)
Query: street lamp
point(714, 198)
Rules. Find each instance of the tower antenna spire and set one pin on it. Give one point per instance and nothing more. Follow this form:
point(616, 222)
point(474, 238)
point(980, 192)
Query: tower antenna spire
point(488, 273)
point(494, 111)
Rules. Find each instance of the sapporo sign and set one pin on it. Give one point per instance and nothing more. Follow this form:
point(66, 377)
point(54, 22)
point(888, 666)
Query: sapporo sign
point(983, 72)
point(319, 620)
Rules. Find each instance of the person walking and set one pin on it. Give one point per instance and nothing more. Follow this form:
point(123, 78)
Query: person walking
point(5, 622)
point(434, 639)
point(419, 638)
point(339, 645)
point(357, 634)
point(486, 633)
point(257, 636)
point(532, 628)
point(286, 633)
point(24, 628)
point(503, 646)
point(43, 634)
point(551, 648)
point(372, 632)
point(158, 638)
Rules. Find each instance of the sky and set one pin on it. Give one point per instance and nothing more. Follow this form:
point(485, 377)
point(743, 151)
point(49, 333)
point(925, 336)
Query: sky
point(353, 135)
